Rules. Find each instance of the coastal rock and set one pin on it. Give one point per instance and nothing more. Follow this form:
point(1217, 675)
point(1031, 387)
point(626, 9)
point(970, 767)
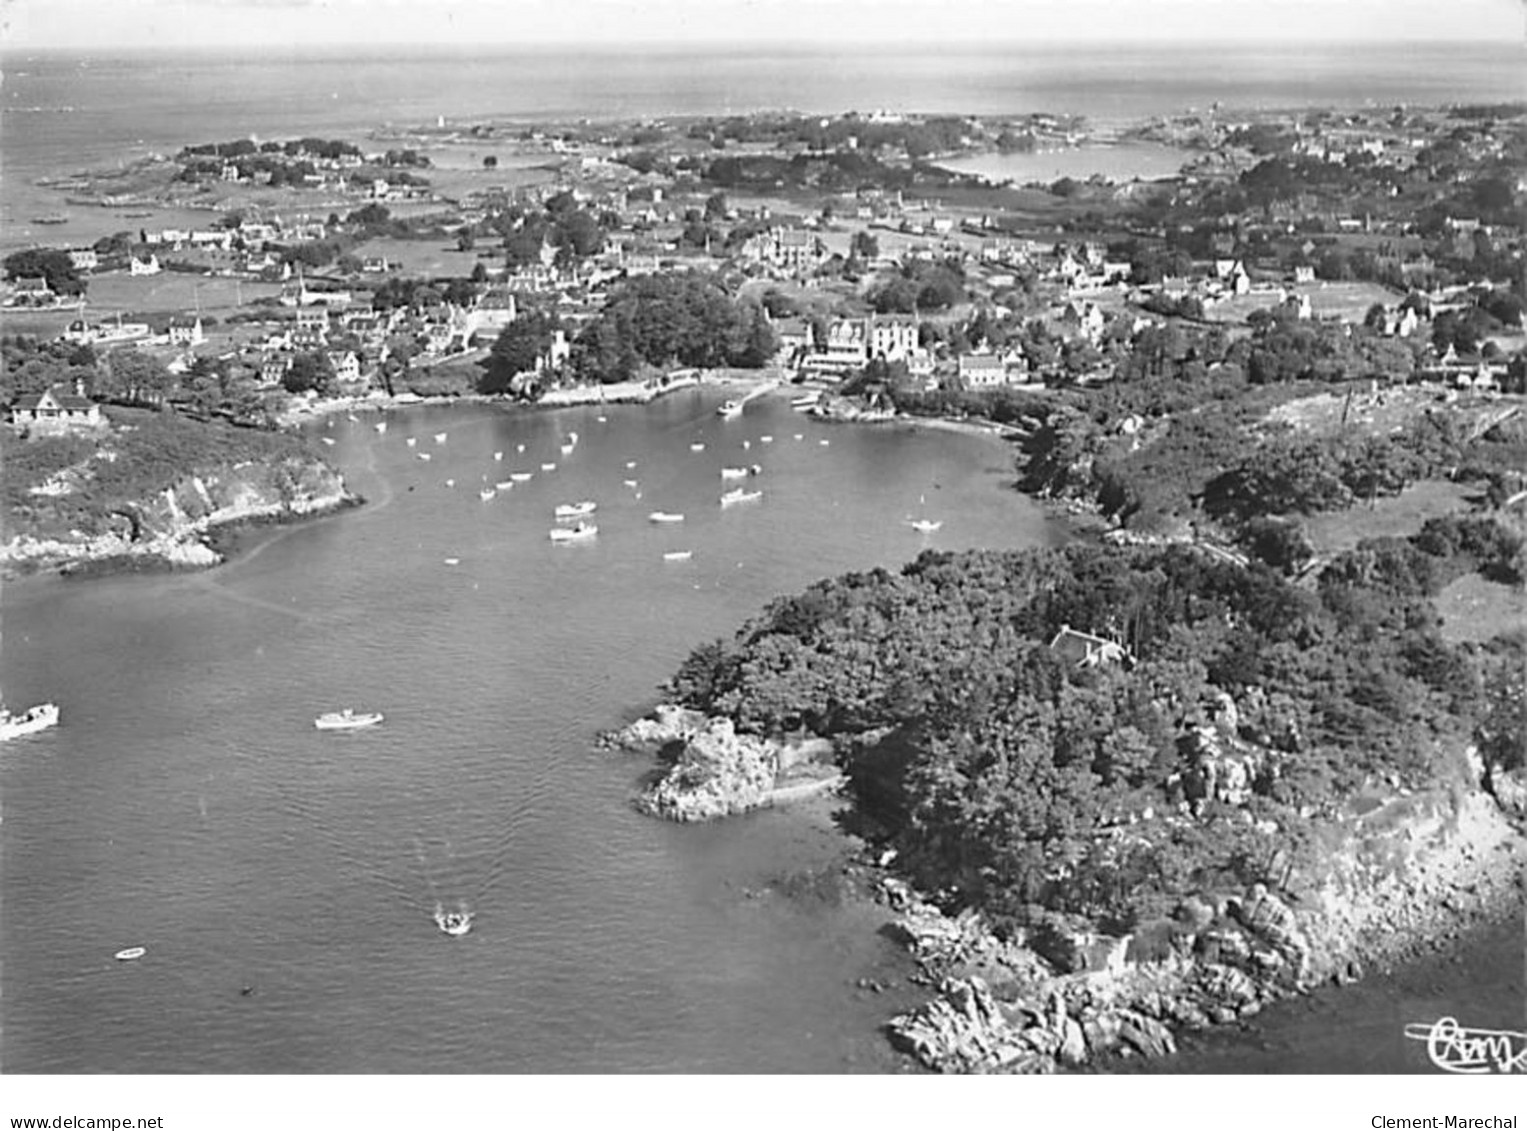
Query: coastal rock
point(965, 1030)
point(718, 772)
point(667, 724)
point(172, 526)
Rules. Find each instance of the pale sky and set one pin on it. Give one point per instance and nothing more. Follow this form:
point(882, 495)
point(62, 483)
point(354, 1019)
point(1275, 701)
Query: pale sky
point(822, 23)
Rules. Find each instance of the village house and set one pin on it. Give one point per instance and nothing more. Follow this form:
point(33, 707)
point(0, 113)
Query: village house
point(312, 326)
point(1086, 650)
point(56, 410)
point(274, 367)
point(84, 258)
point(34, 292)
point(893, 338)
point(792, 337)
point(185, 331)
point(982, 371)
point(346, 366)
point(149, 266)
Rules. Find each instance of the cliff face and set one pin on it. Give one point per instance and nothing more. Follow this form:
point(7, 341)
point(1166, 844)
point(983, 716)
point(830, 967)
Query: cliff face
point(170, 526)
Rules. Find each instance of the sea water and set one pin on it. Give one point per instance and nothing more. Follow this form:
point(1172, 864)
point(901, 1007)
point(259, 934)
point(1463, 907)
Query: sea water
point(187, 804)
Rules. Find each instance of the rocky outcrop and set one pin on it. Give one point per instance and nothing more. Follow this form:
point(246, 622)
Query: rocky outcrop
point(1406, 873)
point(172, 528)
point(712, 771)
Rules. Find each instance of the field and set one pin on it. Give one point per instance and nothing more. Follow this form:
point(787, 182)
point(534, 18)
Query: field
point(1349, 302)
point(1394, 516)
point(1475, 610)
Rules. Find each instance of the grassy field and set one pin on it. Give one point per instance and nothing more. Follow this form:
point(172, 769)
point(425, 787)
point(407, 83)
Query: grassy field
point(1348, 301)
point(1397, 516)
point(1475, 610)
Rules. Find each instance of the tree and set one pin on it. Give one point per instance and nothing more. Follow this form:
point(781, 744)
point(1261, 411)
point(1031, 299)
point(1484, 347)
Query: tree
point(135, 377)
point(490, 162)
point(864, 245)
point(466, 240)
point(49, 264)
point(519, 348)
point(310, 371)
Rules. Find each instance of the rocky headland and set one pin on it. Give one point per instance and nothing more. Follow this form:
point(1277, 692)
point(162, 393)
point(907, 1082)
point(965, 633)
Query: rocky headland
point(1392, 873)
point(177, 526)
point(709, 770)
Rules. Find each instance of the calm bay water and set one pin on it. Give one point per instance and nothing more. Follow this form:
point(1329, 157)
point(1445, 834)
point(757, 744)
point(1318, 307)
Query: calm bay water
point(186, 803)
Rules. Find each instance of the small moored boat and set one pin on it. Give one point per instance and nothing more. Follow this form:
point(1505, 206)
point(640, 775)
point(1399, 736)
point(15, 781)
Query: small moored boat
point(411, 441)
point(665, 516)
point(576, 510)
point(347, 719)
point(487, 493)
point(924, 525)
point(678, 555)
point(697, 447)
point(521, 476)
point(424, 456)
point(740, 496)
point(453, 923)
point(439, 437)
point(548, 467)
point(579, 533)
point(734, 473)
point(498, 457)
point(381, 426)
point(130, 953)
point(30, 721)
point(730, 410)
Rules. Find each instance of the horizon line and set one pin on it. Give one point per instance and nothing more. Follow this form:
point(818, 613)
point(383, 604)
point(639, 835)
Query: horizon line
point(753, 45)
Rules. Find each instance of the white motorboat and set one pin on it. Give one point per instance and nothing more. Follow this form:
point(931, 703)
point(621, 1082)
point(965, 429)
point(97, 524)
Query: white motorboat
point(487, 493)
point(30, 721)
point(520, 448)
point(630, 464)
point(521, 476)
point(424, 456)
point(130, 953)
point(678, 555)
point(411, 441)
point(798, 436)
point(664, 516)
point(803, 403)
point(602, 419)
point(381, 426)
point(730, 410)
point(633, 483)
point(453, 923)
point(450, 482)
point(327, 440)
point(734, 473)
point(740, 496)
point(824, 443)
point(567, 449)
point(498, 457)
point(766, 439)
point(924, 525)
point(452, 561)
point(576, 510)
point(347, 719)
point(697, 447)
point(439, 437)
point(504, 484)
point(582, 532)
point(548, 467)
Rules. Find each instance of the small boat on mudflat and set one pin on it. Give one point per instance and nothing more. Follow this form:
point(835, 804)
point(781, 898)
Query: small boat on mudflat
point(347, 719)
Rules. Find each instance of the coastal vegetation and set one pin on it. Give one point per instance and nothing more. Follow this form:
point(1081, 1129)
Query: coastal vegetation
point(1233, 713)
